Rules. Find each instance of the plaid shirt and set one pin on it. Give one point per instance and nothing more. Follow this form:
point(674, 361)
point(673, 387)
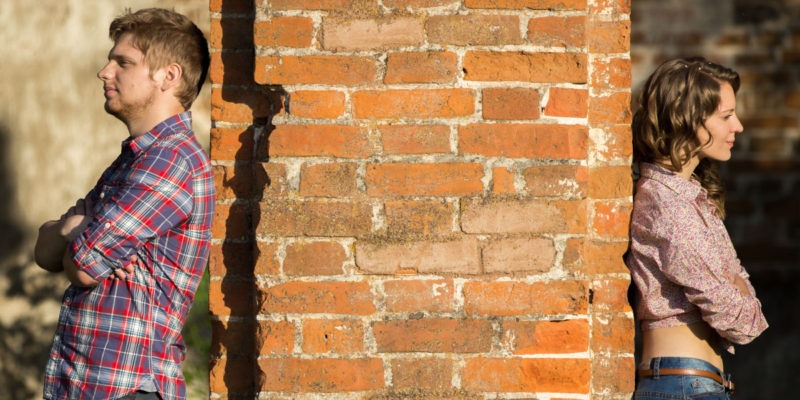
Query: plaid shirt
point(155, 201)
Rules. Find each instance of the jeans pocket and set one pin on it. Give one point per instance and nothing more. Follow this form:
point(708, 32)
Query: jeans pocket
point(706, 389)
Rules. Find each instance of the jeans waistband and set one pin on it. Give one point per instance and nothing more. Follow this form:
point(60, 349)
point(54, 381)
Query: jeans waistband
point(657, 363)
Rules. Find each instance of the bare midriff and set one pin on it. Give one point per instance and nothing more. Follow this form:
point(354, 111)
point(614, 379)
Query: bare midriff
point(697, 340)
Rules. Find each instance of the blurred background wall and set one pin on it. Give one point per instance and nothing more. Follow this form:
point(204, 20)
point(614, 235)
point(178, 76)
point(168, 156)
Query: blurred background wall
point(761, 40)
point(55, 139)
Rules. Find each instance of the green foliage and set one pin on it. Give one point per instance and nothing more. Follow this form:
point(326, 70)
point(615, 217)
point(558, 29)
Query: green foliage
point(197, 335)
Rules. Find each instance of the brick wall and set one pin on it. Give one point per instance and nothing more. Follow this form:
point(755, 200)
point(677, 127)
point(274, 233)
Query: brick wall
point(421, 198)
point(760, 40)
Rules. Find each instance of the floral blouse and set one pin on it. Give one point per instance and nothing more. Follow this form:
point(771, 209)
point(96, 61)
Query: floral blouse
point(682, 261)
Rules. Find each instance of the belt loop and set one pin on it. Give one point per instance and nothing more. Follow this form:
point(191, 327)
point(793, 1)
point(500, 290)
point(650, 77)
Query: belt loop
point(656, 367)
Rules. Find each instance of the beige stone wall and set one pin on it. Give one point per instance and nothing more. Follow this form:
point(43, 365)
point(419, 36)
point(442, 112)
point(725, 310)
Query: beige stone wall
point(55, 139)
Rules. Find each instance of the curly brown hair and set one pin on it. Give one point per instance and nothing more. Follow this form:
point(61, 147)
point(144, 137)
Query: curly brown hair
point(674, 103)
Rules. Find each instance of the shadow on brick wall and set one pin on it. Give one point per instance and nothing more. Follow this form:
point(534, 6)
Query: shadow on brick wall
point(239, 338)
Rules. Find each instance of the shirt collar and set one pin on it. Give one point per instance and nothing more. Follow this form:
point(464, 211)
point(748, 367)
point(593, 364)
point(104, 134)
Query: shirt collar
point(688, 188)
point(175, 124)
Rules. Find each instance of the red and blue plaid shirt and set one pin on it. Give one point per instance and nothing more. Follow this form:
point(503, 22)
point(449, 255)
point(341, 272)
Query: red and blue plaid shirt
point(155, 201)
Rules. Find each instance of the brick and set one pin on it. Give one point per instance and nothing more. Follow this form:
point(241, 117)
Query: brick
point(473, 30)
point(611, 295)
point(403, 4)
point(566, 181)
point(610, 182)
point(612, 109)
point(523, 216)
point(231, 221)
point(609, 7)
point(419, 295)
point(433, 335)
point(416, 374)
point(328, 180)
point(528, 4)
point(371, 34)
point(231, 33)
point(271, 178)
point(510, 103)
point(275, 338)
point(573, 259)
point(231, 144)
point(230, 297)
point(519, 299)
point(418, 103)
point(340, 336)
point(561, 375)
point(455, 256)
point(353, 298)
point(524, 141)
point(327, 375)
point(314, 258)
point(595, 257)
point(421, 67)
point(545, 337)
point(329, 5)
point(232, 376)
point(609, 36)
point(612, 144)
point(242, 105)
point(231, 259)
point(613, 375)
point(566, 32)
point(612, 219)
point(314, 218)
point(320, 140)
point(233, 338)
point(267, 262)
point(432, 179)
point(250, 181)
point(230, 6)
point(611, 73)
point(231, 68)
point(321, 104)
point(284, 32)
point(503, 181)
point(493, 66)
point(315, 69)
point(564, 102)
point(415, 139)
point(613, 334)
point(510, 255)
point(418, 218)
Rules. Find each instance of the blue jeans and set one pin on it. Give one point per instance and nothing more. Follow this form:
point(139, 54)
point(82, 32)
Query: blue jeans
point(680, 386)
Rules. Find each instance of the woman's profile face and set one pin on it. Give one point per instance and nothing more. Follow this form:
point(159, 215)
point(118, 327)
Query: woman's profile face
point(721, 127)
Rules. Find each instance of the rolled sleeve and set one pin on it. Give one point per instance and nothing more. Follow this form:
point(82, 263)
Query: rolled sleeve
point(704, 268)
point(151, 198)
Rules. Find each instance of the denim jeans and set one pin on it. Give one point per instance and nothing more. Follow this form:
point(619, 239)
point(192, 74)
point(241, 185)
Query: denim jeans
point(141, 396)
point(680, 386)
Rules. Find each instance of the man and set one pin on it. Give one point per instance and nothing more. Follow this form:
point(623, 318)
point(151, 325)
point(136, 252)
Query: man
point(135, 248)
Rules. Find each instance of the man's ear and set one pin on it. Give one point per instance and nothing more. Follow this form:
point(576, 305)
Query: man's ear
point(172, 76)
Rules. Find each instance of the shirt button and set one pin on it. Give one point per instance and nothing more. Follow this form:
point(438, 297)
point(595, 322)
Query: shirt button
point(102, 195)
point(107, 225)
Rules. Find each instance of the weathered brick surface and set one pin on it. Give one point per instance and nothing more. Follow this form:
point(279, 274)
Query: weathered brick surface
point(420, 199)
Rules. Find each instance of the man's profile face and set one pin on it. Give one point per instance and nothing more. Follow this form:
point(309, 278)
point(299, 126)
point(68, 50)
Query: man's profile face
point(128, 87)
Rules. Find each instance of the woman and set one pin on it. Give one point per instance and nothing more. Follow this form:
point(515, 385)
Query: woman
point(694, 299)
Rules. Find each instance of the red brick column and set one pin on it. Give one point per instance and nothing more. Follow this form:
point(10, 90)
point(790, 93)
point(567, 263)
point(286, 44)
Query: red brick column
point(421, 198)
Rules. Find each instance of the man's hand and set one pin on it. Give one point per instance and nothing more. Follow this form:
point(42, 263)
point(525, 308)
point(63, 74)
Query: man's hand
point(122, 273)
